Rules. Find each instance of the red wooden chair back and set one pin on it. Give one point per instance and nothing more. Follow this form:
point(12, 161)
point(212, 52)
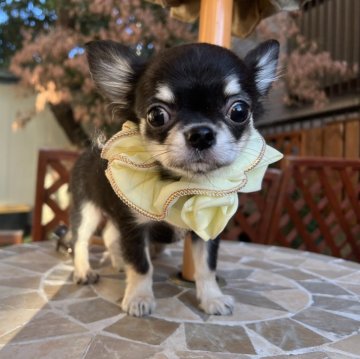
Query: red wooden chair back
point(59, 162)
point(252, 220)
point(318, 208)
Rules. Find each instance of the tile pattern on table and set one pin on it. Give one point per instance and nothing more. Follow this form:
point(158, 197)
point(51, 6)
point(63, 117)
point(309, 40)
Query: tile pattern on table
point(148, 330)
point(218, 338)
point(287, 334)
point(26, 282)
point(108, 347)
point(52, 348)
point(43, 325)
point(287, 302)
point(330, 324)
point(32, 300)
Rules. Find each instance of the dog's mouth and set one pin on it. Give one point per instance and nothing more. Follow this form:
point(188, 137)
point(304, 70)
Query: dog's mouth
point(197, 168)
point(196, 165)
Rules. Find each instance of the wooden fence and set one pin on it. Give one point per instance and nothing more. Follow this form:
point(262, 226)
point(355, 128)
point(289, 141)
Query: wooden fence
point(337, 139)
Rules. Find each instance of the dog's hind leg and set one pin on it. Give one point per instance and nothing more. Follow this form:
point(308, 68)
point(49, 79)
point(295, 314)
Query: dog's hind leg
point(85, 220)
point(212, 300)
point(111, 236)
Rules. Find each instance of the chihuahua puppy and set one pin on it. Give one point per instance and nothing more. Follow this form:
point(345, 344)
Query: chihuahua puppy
point(193, 105)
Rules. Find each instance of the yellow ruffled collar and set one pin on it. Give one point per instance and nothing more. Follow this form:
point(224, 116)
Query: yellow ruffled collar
point(204, 206)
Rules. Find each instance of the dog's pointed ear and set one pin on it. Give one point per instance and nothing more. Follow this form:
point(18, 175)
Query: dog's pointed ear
point(114, 69)
point(263, 61)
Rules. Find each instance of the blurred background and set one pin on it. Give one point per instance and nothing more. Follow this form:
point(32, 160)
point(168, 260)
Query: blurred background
point(47, 98)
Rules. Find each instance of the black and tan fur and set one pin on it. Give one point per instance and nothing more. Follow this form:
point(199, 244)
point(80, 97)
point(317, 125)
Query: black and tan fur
point(194, 105)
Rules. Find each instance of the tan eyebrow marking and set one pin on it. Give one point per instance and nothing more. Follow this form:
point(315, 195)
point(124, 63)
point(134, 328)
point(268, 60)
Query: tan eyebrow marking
point(165, 94)
point(232, 86)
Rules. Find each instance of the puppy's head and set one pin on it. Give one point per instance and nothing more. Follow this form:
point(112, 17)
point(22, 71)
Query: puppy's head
point(194, 104)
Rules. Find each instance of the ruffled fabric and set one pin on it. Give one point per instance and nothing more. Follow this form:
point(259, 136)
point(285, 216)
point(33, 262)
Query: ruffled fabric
point(204, 206)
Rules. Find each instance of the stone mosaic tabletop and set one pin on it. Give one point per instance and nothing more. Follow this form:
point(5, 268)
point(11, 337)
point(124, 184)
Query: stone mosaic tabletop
point(287, 303)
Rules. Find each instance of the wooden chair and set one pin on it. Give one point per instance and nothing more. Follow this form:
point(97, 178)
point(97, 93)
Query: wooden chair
point(251, 222)
point(59, 162)
point(318, 208)
point(9, 237)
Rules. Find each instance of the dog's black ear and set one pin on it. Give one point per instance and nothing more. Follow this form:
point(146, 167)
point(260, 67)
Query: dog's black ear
point(114, 69)
point(262, 61)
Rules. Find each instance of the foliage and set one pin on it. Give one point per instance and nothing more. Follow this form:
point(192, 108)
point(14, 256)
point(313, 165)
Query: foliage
point(52, 61)
point(304, 65)
point(35, 16)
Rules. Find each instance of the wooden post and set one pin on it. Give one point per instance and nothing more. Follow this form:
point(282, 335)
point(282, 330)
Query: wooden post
point(188, 269)
point(215, 22)
point(214, 28)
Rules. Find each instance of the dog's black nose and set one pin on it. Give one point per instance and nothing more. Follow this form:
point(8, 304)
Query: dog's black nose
point(200, 137)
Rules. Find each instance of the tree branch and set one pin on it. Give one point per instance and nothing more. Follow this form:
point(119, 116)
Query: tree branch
point(65, 117)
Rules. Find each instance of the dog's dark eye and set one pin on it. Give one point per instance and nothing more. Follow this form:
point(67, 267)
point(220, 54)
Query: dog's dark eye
point(239, 112)
point(157, 117)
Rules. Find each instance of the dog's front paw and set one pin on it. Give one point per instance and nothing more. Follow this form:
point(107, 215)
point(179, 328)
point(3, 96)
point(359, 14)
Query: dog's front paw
point(88, 277)
point(139, 306)
point(223, 305)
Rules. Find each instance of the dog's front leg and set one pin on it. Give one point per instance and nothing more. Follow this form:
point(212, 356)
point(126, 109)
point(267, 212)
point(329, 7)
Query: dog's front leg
point(212, 300)
point(139, 297)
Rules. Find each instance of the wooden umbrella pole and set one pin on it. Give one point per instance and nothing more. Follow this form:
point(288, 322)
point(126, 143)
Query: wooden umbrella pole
point(214, 28)
point(215, 22)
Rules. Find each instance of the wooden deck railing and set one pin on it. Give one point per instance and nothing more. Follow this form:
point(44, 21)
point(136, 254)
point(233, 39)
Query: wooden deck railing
point(59, 162)
point(313, 203)
point(334, 139)
point(318, 207)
